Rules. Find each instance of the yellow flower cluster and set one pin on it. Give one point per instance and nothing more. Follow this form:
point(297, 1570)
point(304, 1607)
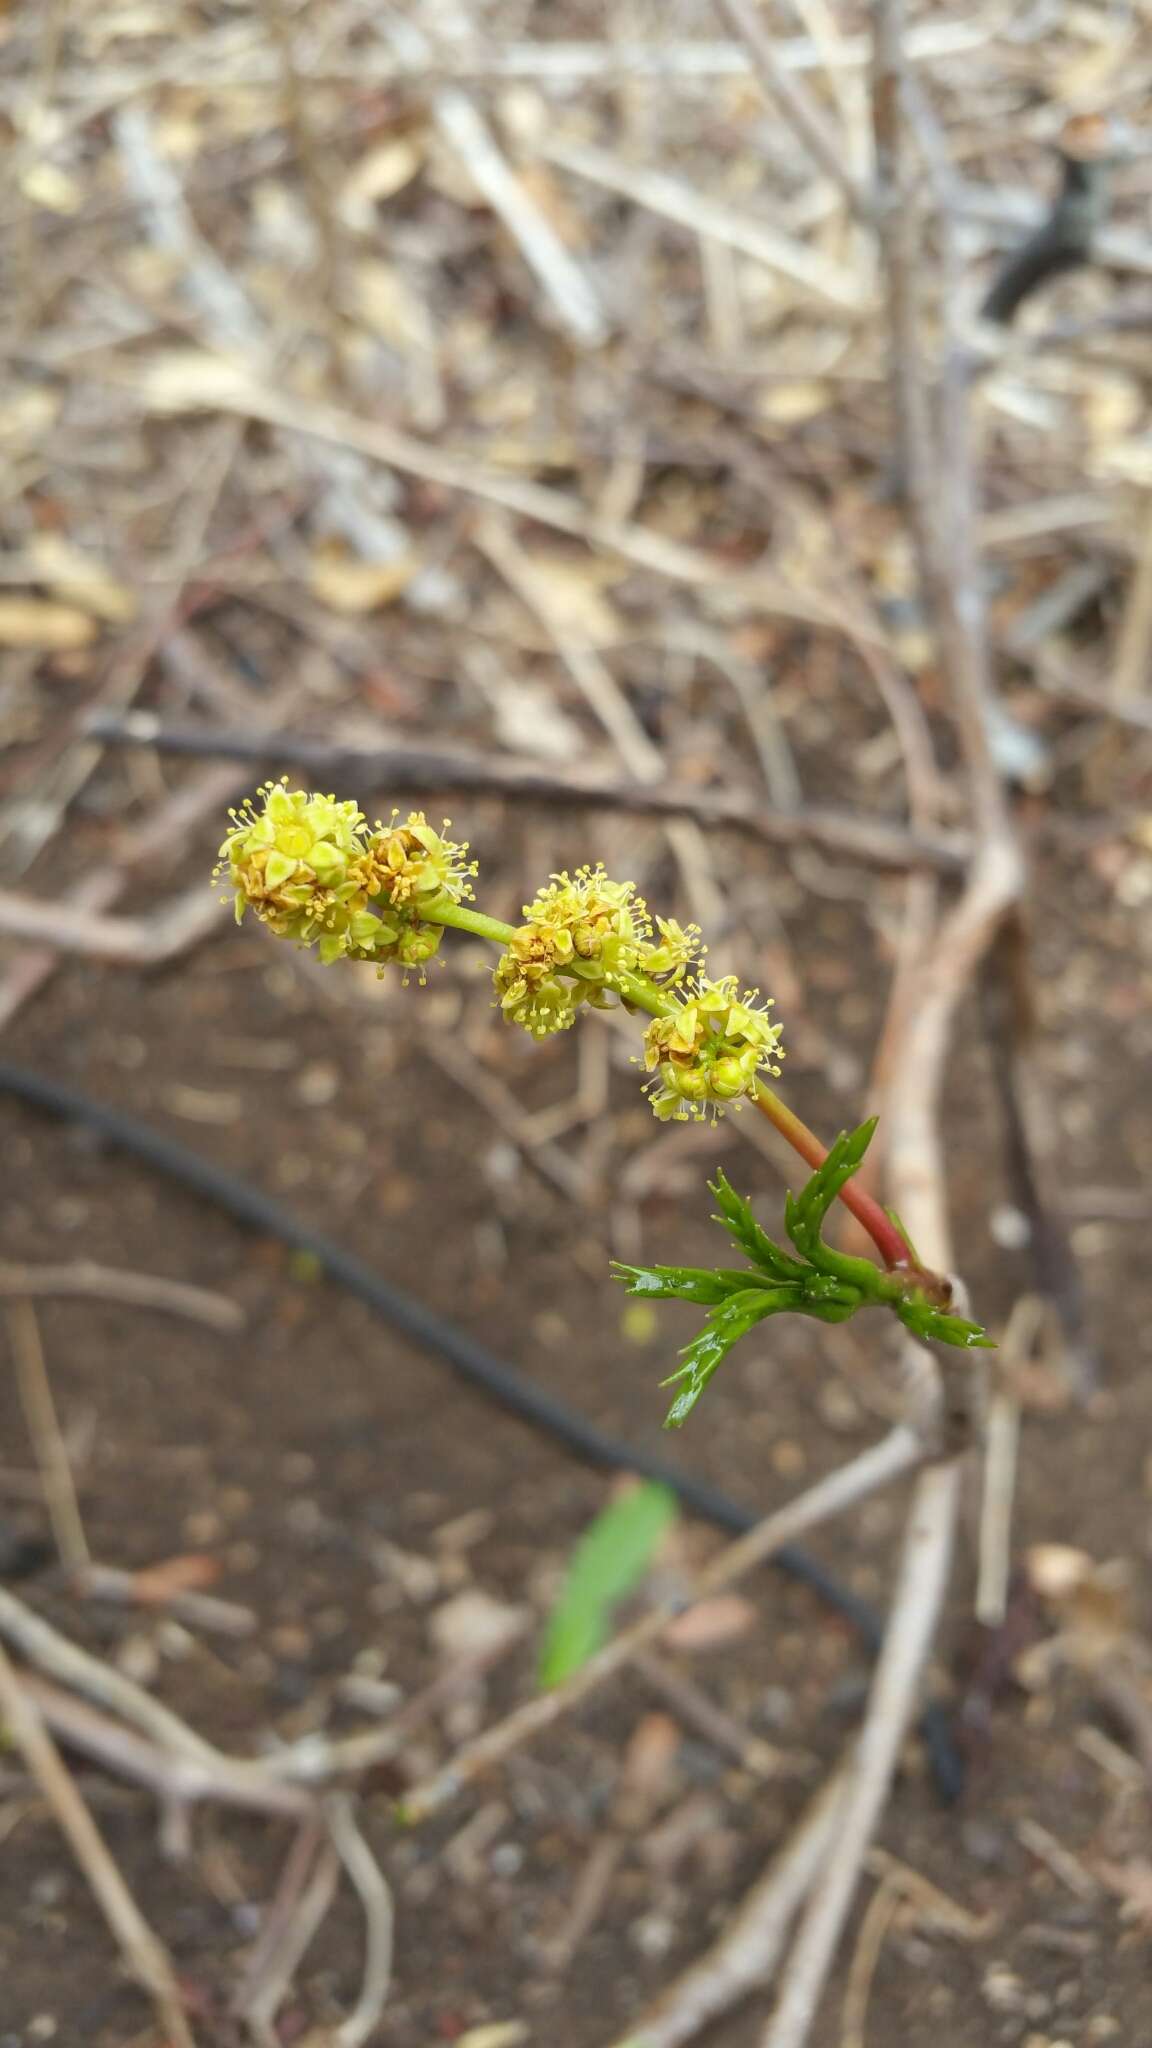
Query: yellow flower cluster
point(310, 869)
point(583, 936)
point(300, 863)
point(313, 871)
point(415, 864)
point(711, 1051)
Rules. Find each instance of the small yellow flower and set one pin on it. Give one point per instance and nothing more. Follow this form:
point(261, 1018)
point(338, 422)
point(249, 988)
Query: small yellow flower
point(528, 988)
point(412, 863)
point(296, 862)
point(676, 949)
point(301, 863)
point(602, 929)
point(710, 1051)
point(293, 838)
point(585, 938)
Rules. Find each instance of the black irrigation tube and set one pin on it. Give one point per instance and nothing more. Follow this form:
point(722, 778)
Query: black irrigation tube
point(250, 1206)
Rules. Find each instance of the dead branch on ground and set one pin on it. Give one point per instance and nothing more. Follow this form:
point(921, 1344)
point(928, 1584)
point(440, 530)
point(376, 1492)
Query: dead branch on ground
point(417, 770)
point(143, 1953)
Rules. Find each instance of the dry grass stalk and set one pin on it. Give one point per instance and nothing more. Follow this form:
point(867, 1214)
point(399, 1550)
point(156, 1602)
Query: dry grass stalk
point(144, 1955)
point(565, 285)
point(752, 1940)
point(85, 1278)
point(369, 1883)
point(915, 1610)
point(48, 1444)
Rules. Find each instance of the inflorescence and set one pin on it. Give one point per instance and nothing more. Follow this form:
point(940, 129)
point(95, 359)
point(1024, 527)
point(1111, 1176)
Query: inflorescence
point(313, 871)
point(711, 1051)
point(585, 939)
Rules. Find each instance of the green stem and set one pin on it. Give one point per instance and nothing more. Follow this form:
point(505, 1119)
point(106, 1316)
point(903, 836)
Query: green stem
point(461, 919)
point(643, 994)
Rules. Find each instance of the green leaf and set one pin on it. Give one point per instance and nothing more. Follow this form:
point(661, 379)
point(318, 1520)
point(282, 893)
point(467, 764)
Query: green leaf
point(894, 1220)
point(724, 1328)
point(804, 1213)
point(737, 1218)
point(610, 1559)
point(937, 1324)
point(679, 1283)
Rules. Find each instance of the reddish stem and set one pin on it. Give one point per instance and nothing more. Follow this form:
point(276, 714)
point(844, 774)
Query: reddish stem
point(864, 1207)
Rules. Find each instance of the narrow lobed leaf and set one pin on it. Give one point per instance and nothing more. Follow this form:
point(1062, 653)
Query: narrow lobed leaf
point(937, 1325)
point(738, 1220)
point(679, 1283)
point(725, 1326)
point(804, 1213)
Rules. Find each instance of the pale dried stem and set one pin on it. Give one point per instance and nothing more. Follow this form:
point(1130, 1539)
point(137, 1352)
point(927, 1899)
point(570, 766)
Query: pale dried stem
point(84, 1278)
point(313, 160)
point(672, 199)
point(178, 1780)
point(143, 1953)
point(784, 90)
point(45, 1647)
point(564, 283)
point(870, 1941)
point(158, 842)
point(1001, 1447)
point(149, 1590)
point(271, 1973)
point(915, 1155)
point(31, 820)
point(48, 1445)
point(322, 1759)
point(1132, 666)
point(166, 934)
point(405, 769)
point(155, 185)
point(944, 534)
point(369, 1883)
point(916, 1606)
point(233, 389)
point(746, 1953)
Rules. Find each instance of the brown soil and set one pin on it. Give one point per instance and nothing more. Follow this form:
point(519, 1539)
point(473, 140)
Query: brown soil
point(348, 1486)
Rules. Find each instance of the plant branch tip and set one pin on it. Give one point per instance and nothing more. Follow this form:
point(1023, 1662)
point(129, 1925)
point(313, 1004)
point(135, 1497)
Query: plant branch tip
point(820, 1282)
point(313, 871)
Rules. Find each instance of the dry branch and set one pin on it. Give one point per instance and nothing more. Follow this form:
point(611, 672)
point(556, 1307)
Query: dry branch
point(783, 89)
point(144, 1954)
point(746, 1953)
point(371, 1886)
point(680, 203)
point(561, 278)
point(943, 528)
point(177, 1781)
point(602, 693)
point(916, 1607)
point(65, 1661)
point(160, 838)
point(165, 935)
point(84, 1278)
point(405, 769)
point(39, 1407)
